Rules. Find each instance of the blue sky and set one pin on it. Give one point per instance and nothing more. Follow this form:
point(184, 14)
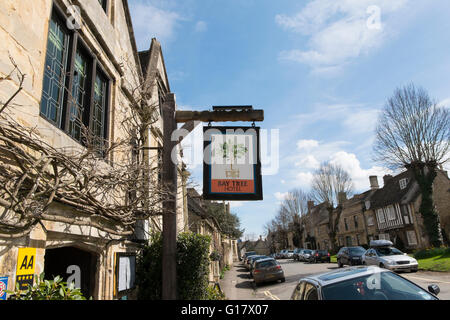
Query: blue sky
point(320, 69)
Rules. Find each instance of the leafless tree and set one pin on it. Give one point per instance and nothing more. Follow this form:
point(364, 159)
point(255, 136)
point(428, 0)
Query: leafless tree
point(413, 132)
point(288, 218)
point(330, 183)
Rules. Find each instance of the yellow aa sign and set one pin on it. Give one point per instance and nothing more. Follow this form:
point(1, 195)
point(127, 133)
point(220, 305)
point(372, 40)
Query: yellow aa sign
point(26, 261)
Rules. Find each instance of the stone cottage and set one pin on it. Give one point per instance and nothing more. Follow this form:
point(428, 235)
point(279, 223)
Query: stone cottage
point(82, 69)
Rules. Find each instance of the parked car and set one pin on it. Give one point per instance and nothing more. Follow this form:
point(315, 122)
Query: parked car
point(296, 255)
point(248, 253)
point(304, 254)
point(386, 256)
point(289, 254)
point(319, 256)
point(361, 283)
point(350, 255)
point(253, 262)
point(283, 254)
point(247, 261)
point(250, 260)
point(267, 270)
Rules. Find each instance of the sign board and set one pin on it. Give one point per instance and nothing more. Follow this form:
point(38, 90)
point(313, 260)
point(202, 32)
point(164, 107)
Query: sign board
point(26, 262)
point(125, 273)
point(3, 287)
point(232, 166)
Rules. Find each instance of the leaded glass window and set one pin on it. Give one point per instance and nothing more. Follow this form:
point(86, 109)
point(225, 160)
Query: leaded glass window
point(79, 96)
point(75, 90)
point(99, 105)
point(55, 72)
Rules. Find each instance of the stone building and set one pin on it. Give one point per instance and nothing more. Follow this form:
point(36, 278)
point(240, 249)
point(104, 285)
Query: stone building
point(357, 226)
point(396, 208)
point(80, 71)
point(315, 227)
point(390, 212)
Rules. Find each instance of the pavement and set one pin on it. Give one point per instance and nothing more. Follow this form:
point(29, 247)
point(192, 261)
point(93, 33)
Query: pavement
point(237, 284)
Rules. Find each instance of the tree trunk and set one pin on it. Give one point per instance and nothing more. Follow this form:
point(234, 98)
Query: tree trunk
point(333, 225)
point(425, 175)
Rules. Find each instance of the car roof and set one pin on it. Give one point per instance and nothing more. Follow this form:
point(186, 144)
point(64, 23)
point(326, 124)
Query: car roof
point(343, 274)
point(266, 259)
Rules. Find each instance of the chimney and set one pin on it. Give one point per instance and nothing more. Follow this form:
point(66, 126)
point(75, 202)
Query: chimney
point(310, 205)
point(386, 178)
point(374, 183)
point(342, 197)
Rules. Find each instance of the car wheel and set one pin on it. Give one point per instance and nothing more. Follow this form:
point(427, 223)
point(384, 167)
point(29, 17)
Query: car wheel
point(340, 265)
point(381, 265)
point(283, 279)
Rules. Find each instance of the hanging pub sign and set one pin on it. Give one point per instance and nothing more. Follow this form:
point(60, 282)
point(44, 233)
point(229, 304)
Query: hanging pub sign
point(232, 165)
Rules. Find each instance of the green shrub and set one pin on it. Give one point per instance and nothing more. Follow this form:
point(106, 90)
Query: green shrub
point(429, 253)
point(149, 269)
point(54, 289)
point(192, 268)
point(213, 293)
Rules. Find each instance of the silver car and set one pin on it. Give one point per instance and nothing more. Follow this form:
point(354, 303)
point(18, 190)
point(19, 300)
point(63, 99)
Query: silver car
point(389, 258)
point(305, 254)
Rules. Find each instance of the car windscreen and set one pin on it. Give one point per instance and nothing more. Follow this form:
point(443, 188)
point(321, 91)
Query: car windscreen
point(377, 286)
point(266, 264)
point(307, 251)
point(388, 251)
point(357, 251)
point(323, 251)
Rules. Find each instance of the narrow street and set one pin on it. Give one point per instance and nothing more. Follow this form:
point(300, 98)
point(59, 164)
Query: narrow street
point(237, 284)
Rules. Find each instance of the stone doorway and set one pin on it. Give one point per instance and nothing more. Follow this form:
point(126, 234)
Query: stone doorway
point(64, 261)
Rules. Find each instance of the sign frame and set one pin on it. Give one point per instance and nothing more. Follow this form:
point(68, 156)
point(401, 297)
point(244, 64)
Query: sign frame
point(257, 176)
point(26, 257)
point(3, 287)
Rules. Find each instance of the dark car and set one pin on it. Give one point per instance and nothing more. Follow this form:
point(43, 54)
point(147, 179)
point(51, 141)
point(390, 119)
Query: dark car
point(267, 270)
point(319, 256)
point(254, 260)
point(246, 255)
point(351, 256)
point(250, 260)
point(361, 283)
point(296, 255)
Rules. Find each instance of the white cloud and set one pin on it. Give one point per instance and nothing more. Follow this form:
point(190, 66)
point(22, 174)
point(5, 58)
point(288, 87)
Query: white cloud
point(236, 204)
point(201, 26)
point(280, 196)
point(339, 31)
point(308, 162)
point(444, 103)
point(360, 177)
point(307, 144)
point(151, 20)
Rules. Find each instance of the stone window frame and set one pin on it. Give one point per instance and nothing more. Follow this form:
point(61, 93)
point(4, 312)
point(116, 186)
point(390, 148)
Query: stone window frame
point(75, 44)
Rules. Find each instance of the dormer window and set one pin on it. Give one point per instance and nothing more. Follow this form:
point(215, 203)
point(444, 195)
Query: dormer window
point(403, 183)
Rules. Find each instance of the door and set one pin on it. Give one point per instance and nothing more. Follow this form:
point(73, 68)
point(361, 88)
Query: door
point(371, 257)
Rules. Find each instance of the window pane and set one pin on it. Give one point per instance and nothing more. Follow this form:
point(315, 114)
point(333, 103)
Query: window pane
point(99, 112)
point(55, 72)
point(103, 3)
point(78, 101)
